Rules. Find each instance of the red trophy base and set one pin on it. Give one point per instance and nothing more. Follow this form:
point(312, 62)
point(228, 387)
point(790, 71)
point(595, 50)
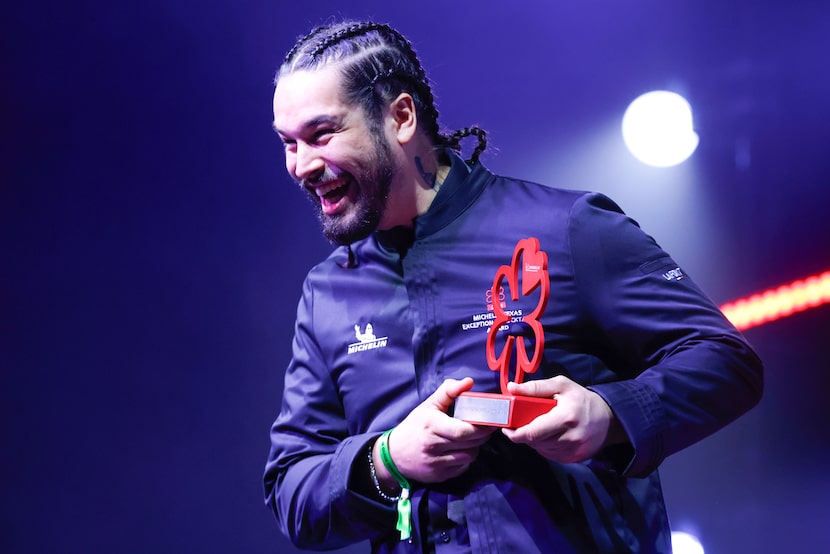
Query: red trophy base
point(500, 410)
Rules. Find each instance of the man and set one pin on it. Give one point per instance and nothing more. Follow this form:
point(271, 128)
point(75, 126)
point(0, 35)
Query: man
point(389, 332)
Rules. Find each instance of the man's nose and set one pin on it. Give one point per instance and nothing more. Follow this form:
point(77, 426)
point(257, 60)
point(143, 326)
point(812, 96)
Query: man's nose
point(308, 163)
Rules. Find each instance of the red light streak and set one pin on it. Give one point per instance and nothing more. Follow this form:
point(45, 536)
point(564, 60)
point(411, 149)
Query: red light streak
point(779, 302)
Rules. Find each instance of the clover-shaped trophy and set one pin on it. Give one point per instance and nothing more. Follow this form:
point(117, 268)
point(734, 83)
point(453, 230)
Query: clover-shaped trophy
point(505, 409)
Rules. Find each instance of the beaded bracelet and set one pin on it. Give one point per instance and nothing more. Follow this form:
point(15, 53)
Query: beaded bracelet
point(374, 473)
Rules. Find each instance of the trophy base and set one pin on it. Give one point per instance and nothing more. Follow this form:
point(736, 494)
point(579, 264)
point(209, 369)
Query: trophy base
point(499, 410)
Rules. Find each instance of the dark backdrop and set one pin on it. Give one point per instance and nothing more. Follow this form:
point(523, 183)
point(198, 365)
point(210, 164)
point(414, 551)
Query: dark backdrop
point(153, 248)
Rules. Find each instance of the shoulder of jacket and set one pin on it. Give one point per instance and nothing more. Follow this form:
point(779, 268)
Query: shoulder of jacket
point(555, 193)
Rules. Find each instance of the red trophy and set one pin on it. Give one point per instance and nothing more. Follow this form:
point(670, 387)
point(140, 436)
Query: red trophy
point(505, 409)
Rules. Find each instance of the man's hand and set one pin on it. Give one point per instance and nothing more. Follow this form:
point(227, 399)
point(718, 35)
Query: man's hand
point(573, 431)
point(430, 446)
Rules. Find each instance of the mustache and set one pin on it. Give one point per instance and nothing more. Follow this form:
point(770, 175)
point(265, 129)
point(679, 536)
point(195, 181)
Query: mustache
point(326, 175)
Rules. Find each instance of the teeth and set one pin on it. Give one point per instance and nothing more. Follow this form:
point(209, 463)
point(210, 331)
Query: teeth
point(325, 189)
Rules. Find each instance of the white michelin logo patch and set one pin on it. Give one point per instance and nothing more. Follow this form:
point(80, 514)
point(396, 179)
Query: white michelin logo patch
point(366, 340)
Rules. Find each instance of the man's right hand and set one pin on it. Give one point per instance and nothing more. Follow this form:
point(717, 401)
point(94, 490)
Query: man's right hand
point(430, 446)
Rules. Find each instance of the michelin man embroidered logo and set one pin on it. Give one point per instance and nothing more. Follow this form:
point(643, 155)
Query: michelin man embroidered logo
point(366, 340)
point(367, 336)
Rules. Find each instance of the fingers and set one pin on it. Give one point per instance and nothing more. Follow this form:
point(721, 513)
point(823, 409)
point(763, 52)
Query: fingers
point(455, 434)
point(541, 428)
point(460, 458)
point(460, 433)
point(449, 390)
point(549, 427)
point(449, 465)
point(543, 388)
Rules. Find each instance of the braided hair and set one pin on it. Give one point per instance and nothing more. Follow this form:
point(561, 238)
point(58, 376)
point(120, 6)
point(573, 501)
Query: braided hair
point(377, 64)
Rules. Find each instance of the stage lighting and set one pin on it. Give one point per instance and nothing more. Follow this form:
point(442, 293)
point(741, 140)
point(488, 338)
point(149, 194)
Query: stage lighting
point(779, 302)
point(685, 543)
point(657, 129)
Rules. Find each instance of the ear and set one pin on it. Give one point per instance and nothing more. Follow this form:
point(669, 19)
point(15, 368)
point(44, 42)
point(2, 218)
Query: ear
point(404, 117)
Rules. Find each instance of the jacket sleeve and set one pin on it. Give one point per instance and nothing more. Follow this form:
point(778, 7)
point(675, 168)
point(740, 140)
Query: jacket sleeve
point(308, 473)
point(684, 370)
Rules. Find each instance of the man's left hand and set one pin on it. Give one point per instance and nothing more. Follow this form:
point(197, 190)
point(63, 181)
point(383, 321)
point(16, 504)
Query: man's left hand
point(574, 430)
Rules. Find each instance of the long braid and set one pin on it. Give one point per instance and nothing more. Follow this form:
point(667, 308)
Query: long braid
point(454, 141)
point(379, 63)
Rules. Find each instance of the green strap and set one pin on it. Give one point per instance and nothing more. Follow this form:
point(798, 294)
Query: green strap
point(404, 524)
point(404, 505)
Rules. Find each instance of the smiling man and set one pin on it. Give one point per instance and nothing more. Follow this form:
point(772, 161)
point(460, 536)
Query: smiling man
point(344, 165)
point(388, 335)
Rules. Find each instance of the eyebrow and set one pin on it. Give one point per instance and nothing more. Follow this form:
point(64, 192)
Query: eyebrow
point(313, 123)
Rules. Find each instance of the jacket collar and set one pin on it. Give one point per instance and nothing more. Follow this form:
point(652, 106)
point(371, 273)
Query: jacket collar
point(459, 190)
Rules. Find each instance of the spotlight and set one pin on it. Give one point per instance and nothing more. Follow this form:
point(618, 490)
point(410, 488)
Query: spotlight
point(657, 129)
point(685, 543)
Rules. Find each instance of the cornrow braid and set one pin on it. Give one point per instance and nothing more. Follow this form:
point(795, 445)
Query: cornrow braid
point(377, 64)
point(301, 41)
point(420, 81)
point(352, 30)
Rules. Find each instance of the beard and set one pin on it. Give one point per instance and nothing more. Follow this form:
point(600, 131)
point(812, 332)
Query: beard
point(372, 186)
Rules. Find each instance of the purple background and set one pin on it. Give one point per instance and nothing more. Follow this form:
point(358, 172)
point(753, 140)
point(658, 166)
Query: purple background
point(153, 247)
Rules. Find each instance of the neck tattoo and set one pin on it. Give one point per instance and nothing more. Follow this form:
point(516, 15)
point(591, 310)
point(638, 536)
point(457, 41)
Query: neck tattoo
point(429, 178)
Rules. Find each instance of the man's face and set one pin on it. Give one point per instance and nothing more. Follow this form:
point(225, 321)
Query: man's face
point(332, 152)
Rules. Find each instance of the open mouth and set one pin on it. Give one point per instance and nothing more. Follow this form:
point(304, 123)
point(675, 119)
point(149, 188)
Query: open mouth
point(331, 195)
